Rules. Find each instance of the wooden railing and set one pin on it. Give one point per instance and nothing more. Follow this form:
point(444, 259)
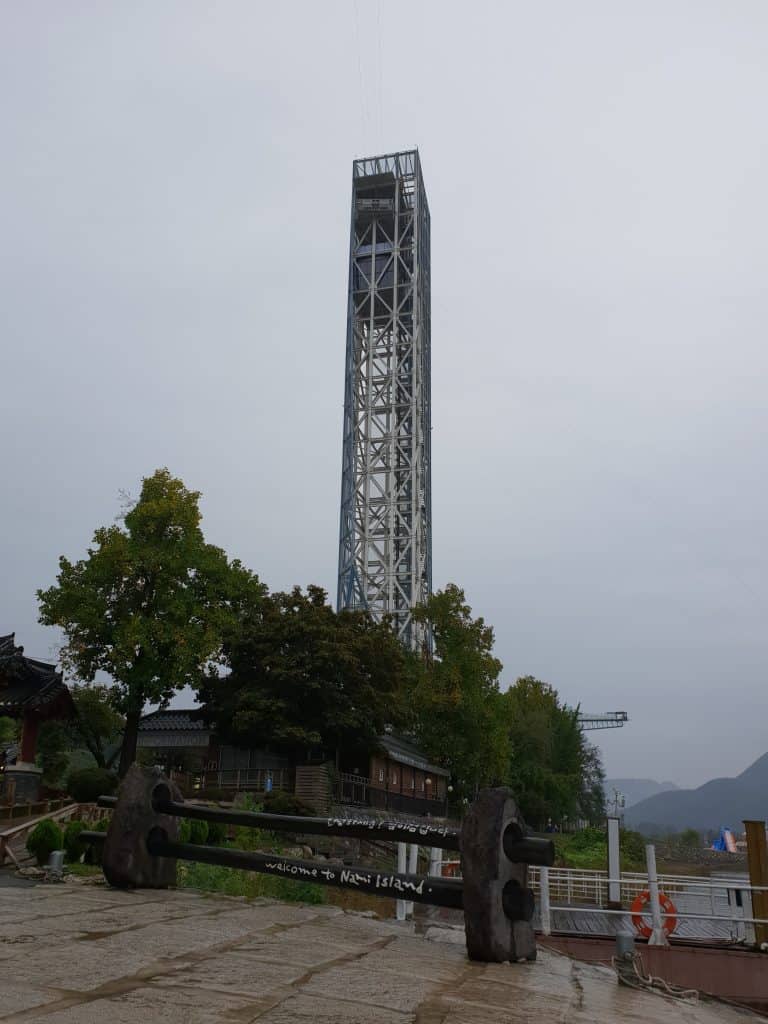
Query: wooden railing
point(357, 790)
point(17, 832)
point(236, 779)
point(25, 810)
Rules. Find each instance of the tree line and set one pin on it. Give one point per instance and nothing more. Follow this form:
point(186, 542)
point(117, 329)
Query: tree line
point(157, 608)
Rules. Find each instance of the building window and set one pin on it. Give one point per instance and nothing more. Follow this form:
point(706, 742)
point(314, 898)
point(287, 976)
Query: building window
point(394, 779)
point(381, 774)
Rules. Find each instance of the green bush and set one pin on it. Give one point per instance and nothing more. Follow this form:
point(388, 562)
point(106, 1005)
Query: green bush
point(632, 846)
point(87, 784)
point(233, 882)
point(43, 840)
point(193, 831)
point(280, 802)
point(94, 851)
point(217, 833)
point(198, 833)
point(74, 846)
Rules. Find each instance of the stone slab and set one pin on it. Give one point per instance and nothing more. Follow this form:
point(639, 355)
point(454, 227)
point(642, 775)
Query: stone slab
point(181, 958)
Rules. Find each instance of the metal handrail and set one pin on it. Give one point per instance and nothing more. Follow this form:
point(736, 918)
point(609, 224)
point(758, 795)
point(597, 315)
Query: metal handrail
point(635, 879)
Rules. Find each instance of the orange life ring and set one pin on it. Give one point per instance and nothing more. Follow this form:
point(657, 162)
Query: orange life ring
point(639, 904)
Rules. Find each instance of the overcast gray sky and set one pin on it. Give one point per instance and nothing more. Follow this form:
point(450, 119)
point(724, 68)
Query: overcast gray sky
point(174, 216)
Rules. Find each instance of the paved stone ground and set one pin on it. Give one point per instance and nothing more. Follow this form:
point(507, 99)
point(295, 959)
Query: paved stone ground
point(76, 953)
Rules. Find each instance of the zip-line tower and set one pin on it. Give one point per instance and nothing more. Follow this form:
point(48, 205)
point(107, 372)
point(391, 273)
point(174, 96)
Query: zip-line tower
point(385, 543)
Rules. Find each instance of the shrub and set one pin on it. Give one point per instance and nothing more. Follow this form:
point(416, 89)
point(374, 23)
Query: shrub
point(280, 802)
point(87, 784)
point(632, 850)
point(185, 830)
point(217, 833)
point(94, 851)
point(74, 846)
point(198, 832)
point(43, 840)
point(233, 882)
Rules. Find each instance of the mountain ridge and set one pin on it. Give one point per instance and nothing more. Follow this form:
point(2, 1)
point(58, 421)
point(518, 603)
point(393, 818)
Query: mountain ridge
point(720, 801)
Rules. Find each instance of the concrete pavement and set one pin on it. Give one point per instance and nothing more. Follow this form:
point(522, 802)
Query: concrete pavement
point(77, 953)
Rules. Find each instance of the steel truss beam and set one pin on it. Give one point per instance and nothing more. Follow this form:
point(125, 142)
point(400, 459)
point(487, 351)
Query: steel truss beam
point(385, 539)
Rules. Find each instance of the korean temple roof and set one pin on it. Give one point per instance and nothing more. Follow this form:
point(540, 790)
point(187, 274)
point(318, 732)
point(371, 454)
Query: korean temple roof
point(26, 683)
point(405, 751)
point(173, 719)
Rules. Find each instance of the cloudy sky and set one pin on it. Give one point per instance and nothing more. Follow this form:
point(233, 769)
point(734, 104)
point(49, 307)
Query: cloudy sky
point(174, 204)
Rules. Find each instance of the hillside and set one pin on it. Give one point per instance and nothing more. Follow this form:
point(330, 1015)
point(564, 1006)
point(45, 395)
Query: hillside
point(718, 802)
point(635, 790)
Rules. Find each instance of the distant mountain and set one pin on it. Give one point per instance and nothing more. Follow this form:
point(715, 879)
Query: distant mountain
point(635, 790)
point(716, 803)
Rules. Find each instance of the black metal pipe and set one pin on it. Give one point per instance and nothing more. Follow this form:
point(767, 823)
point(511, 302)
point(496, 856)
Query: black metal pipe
point(357, 827)
point(92, 837)
point(441, 892)
point(527, 849)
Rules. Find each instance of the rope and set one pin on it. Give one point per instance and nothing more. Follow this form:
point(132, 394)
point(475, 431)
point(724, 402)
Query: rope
point(647, 982)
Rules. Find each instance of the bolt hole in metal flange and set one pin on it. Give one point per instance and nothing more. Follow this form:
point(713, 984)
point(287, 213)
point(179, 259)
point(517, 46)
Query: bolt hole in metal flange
point(518, 903)
point(155, 838)
point(161, 796)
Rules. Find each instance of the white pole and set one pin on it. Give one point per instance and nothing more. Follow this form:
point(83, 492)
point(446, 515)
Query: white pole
point(546, 916)
point(435, 862)
point(413, 867)
point(400, 908)
point(658, 937)
point(614, 864)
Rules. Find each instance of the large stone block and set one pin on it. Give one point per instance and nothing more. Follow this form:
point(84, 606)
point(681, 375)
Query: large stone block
point(498, 905)
point(127, 862)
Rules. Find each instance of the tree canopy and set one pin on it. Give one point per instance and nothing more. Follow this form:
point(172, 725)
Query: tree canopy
point(97, 726)
point(458, 714)
point(9, 730)
point(150, 603)
point(553, 771)
point(303, 677)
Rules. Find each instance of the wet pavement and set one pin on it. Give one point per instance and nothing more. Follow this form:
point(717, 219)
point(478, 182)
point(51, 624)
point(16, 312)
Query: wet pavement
point(75, 953)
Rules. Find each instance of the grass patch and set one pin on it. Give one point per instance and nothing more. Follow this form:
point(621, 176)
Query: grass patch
point(83, 870)
point(233, 882)
point(588, 850)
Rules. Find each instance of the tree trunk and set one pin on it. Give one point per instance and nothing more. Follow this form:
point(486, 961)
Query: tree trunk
point(130, 737)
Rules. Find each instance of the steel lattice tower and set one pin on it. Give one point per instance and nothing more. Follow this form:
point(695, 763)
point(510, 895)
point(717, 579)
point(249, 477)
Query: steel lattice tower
point(385, 544)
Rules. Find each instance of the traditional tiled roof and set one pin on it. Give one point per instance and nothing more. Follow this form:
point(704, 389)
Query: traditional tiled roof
point(26, 683)
point(173, 719)
point(405, 751)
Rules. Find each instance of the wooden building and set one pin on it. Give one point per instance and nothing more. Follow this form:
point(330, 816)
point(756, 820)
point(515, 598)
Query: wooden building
point(180, 741)
point(398, 777)
point(33, 692)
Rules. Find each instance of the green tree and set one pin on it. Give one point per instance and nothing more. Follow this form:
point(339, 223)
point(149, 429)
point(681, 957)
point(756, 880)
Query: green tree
point(690, 838)
point(592, 799)
point(9, 730)
point(150, 603)
point(97, 726)
point(554, 771)
point(303, 676)
point(52, 745)
point(458, 711)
